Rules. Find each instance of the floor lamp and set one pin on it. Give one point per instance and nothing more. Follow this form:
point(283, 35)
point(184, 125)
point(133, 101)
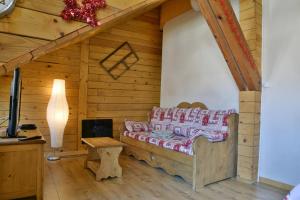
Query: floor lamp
point(57, 116)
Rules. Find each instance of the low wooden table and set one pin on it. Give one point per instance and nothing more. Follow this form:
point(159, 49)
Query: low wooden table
point(103, 157)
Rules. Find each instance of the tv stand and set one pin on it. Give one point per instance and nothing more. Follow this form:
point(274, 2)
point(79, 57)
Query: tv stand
point(21, 168)
point(6, 137)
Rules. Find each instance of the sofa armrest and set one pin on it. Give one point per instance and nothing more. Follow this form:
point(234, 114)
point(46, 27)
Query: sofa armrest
point(213, 162)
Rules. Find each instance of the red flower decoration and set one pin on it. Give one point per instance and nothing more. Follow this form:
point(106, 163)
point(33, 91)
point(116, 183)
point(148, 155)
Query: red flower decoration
point(85, 13)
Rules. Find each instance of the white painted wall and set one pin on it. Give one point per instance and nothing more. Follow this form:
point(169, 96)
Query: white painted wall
point(280, 122)
point(193, 67)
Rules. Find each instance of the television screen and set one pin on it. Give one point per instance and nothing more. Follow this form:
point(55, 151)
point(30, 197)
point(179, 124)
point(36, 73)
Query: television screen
point(97, 128)
point(14, 108)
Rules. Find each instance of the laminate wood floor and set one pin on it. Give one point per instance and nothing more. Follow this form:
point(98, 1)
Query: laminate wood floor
point(67, 179)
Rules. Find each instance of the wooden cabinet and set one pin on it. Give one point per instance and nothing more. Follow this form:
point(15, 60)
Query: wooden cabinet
point(21, 167)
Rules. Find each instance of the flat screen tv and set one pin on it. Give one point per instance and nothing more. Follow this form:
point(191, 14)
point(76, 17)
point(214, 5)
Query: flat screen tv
point(14, 104)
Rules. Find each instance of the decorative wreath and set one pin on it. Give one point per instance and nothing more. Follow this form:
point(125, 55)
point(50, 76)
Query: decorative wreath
point(85, 13)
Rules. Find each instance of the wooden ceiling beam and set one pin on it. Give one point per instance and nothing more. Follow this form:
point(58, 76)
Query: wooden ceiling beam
point(172, 9)
point(229, 36)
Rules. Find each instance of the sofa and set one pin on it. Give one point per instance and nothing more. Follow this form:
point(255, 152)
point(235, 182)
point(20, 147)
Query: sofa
point(189, 140)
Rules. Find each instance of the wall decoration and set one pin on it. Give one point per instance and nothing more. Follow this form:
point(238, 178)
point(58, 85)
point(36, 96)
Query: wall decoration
point(85, 12)
point(119, 61)
point(6, 7)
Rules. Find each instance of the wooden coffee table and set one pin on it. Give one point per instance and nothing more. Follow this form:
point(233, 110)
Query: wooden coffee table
point(103, 157)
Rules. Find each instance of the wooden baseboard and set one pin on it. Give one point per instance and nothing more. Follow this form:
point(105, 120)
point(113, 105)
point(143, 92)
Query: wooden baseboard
point(276, 184)
point(243, 180)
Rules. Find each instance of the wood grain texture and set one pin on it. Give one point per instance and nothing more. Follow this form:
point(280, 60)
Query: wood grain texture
point(37, 80)
point(21, 169)
point(36, 24)
point(66, 179)
point(249, 128)
point(83, 89)
point(276, 184)
point(251, 24)
point(174, 163)
point(250, 102)
point(12, 46)
point(211, 162)
point(102, 142)
point(103, 157)
point(138, 89)
point(62, 33)
point(215, 161)
point(245, 75)
point(131, 96)
point(172, 9)
point(52, 7)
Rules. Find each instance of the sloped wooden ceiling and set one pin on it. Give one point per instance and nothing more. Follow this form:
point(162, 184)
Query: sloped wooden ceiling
point(35, 28)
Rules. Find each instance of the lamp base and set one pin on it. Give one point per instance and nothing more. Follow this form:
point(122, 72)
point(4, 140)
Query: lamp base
point(53, 158)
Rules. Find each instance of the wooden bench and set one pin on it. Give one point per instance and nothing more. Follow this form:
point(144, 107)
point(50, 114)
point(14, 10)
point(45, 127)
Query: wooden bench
point(211, 162)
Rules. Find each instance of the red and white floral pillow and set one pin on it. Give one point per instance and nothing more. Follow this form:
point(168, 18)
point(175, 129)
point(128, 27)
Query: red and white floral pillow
point(185, 115)
point(183, 130)
point(160, 118)
point(134, 126)
point(190, 122)
point(213, 120)
point(183, 121)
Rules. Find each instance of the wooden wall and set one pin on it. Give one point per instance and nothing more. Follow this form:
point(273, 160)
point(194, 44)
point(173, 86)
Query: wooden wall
point(35, 28)
point(251, 24)
point(37, 79)
point(250, 106)
point(134, 94)
point(131, 96)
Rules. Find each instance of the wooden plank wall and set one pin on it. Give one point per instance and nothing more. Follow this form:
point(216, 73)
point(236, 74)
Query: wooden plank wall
point(37, 79)
point(131, 96)
point(249, 131)
point(32, 24)
point(35, 28)
point(250, 106)
point(251, 24)
point(134, 94)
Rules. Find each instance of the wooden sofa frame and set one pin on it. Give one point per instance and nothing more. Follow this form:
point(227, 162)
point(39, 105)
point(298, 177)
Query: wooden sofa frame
point(211, 162)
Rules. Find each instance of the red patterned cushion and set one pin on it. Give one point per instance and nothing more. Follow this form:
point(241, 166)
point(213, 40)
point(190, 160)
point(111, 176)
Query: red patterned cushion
point(212, 136)
point(133, 126)
point(176, 143)
point(214, 120)
point(185, 115)
point(183, 120)
point(160, 118)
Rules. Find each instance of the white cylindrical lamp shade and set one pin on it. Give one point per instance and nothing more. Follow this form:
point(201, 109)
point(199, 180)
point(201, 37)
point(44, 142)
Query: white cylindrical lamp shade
point(57, 113)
